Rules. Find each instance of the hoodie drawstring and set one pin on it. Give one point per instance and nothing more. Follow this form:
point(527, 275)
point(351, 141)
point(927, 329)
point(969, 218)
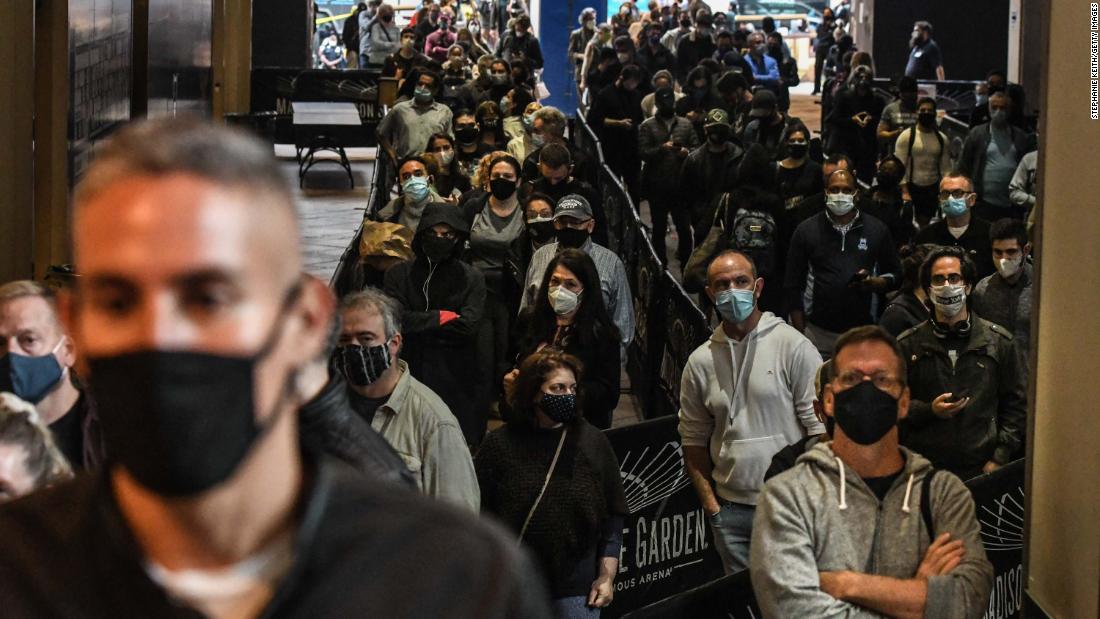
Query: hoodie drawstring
point(908, 493)
point(840, 465)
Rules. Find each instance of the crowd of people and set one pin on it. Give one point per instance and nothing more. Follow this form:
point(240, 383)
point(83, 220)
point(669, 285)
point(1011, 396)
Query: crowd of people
point(245, 443)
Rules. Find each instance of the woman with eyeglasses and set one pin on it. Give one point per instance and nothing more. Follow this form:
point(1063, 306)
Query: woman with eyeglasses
point(569, 314)
point(553, 479)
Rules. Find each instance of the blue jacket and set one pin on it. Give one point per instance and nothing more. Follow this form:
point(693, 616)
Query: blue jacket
point(770, 74)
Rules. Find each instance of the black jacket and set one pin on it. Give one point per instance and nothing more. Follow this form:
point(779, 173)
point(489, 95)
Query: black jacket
point(706, 175)
point(835, 259)
point(442, 356)
point(585, 166)
point(992, 425)
point(328, 425)
point(662, 167)
point(975, 241)
point(581, 188)
point(513, 48)
point(890, 209)
point(903, 312)
point(771, 136)
point(362, 549)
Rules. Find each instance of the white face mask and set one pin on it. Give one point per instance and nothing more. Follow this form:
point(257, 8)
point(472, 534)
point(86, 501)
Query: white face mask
point(563, 301)
point(1008, 267)
point(949, 299)
point(840, 204)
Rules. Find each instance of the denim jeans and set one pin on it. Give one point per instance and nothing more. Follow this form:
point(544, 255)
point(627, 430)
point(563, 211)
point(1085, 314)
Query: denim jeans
point(575, 608)
point(732, 528)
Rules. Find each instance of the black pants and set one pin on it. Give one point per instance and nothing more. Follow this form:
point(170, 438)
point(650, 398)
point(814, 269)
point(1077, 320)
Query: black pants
point(819, 69)
point(926, 201)
point(660, 207)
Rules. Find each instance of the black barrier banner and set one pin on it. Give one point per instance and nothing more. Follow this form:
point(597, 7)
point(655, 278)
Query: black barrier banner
point(685, 329)
point(667, 542)
point(729, 597)
point(999, 506)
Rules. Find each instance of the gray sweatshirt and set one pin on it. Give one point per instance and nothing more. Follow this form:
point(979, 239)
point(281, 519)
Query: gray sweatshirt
point(820, 516)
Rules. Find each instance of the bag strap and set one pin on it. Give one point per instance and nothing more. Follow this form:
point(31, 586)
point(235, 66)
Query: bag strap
point(545, 483)
point(926, 504)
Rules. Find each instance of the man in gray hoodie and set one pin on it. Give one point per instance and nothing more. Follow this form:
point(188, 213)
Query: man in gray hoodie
point(861, 527)
point(745, 394)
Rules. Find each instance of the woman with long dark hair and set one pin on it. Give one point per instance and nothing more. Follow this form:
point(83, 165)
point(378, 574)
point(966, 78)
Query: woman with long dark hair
point(569, 313)
point(553, 479)
point(450, 182)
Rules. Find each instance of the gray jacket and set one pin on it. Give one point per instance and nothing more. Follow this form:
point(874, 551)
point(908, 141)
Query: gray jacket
point(972, 160)
point(662, 167)
point(821, 516)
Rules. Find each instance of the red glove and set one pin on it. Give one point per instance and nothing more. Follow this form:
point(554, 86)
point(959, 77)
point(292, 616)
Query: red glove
point(446, 316)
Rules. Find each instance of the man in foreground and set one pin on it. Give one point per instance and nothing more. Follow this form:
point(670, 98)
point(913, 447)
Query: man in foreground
point(843, 533)
point(195, 320)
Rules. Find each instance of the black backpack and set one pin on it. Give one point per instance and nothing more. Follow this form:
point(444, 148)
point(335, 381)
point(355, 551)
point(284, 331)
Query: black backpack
point(753, 232)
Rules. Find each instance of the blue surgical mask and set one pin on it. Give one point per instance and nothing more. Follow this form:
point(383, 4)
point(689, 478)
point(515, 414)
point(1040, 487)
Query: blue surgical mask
point(417, 188)
point(537, 140)
point(735, 305)
point(422, 95)
point(31, 378)
point(998, 117)
point(840, 204)
point(953, 207)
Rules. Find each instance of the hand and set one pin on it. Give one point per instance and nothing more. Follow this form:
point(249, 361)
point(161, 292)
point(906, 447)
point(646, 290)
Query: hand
point(944, 408)
point(602, 593)
point(695, 116)
point(872, 284)
point(941, 557)
point(860, 119)
point(684, 152)
point(833, 583)
point(626, 123)
point(668, 145)
point(990, 467)
point(510, 382)
point(446, 316)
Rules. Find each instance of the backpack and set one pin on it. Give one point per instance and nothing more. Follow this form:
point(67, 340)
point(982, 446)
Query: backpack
point(753, 232)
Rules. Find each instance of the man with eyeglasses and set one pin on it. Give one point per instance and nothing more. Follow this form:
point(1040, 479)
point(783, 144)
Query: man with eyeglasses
point(968, 411)
point(851, 256)
point(958, 225)
point(861, 526)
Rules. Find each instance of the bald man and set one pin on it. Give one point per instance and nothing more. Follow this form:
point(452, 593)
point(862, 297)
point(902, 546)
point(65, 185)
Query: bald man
point(852, 258)
point(195, 322)
point(746, 393)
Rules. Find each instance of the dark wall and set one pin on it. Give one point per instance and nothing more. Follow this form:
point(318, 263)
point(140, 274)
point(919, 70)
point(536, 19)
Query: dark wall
point(179, 57)
point(281, 33)
point(972, 34)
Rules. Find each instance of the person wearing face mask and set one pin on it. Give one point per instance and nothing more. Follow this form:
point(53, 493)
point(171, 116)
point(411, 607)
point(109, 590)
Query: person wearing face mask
point(925, 61)
point(664, 142)
point(798, 176)
point(736, 99)
point(680, 29)
point(469, 149)
point(899, 114)
point(654, 57)
point(923, 150)
point(567, 316)
point(443, 302)
point(400, 63)
point(491, 121)
point(699, 98)
point(437, 44)
point(852, 257)
point(886, 203)
point(1004, 298)
point(410, 418)
point(765, 70)
point(496, 222)
point(519, 44)
point(329, 424)
point(448, 179)
point(768, 124)
point(578, 42)
point(36, 365)
point(573, 222)
point(959, 226)
point(526, 141)
point(661, 79)
point(210, 505)
point(405, 129)
point(788, 69)
point(556, 179)
point(552, 479)
point(969, 408)
point(695, 46)
point(862, 526)
point(736, 412)
point(997, 81)
point(378, 36)
point(615, 115)
point(708, 171)
point(990, 155)
point(416, 192)
point(593, 54)
point(823, 42)
point(854, 120)
point(514, 107)
point(908, 307)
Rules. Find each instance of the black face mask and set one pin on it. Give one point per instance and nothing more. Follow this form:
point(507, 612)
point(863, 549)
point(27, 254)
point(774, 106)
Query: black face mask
point(362, 366)
point(887, 179)
point(541, 231)
point(181, 422)
point(665, 111)
point(797, 151)
point(502, 188)
point(718, 137)
point(865, 413)
point(437, 249)
point(466, 135)
point(571, 237)
point(926, 119)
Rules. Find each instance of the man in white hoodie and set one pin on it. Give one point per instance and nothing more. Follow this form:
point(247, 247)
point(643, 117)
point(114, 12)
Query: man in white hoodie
point(861, 527)
point(745, 394)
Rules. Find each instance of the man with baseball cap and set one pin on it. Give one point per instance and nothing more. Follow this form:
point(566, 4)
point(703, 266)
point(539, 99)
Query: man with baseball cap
point(768, 124)
point(573, 220)
point(710, 170)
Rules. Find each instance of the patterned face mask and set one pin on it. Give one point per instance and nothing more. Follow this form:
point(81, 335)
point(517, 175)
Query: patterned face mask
point(360, 365)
